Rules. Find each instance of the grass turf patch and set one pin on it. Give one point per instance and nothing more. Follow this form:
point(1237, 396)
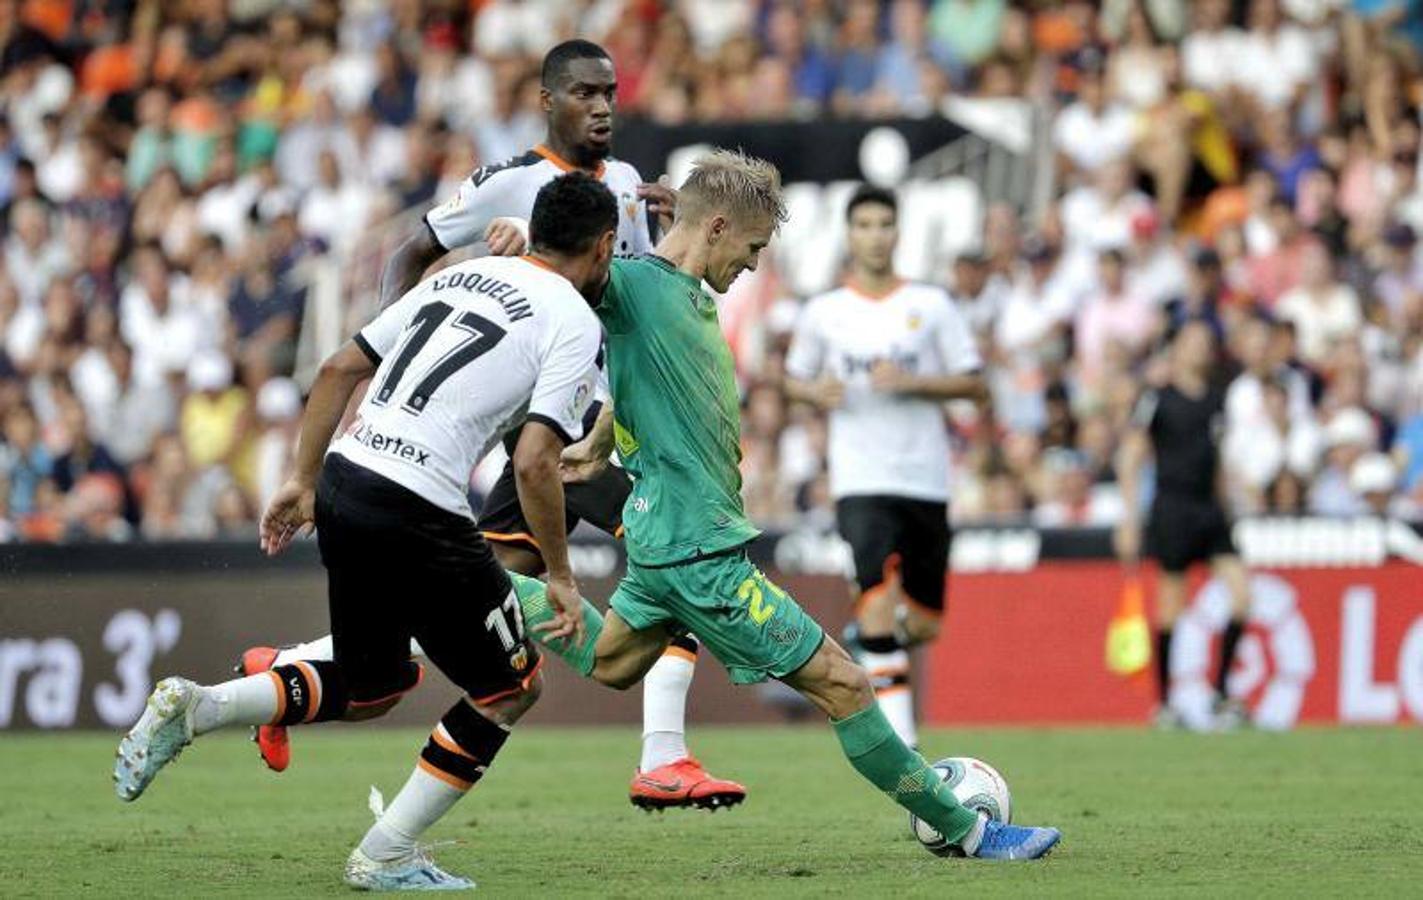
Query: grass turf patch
point(1306, 813)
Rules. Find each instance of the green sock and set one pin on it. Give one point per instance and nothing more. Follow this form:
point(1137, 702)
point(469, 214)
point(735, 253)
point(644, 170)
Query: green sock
point(877, 753)
point(533, 601)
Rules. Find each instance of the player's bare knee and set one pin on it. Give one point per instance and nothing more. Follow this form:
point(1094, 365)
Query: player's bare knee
point(617, 674)
point(921, 628)
point(509, 709)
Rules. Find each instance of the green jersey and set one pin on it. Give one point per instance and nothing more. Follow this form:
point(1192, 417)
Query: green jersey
point(677, 416)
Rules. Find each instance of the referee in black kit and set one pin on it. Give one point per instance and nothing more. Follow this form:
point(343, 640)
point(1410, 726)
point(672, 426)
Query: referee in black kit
point(1180, 424)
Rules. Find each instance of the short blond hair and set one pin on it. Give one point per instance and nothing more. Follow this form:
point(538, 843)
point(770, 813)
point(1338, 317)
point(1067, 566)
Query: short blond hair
point(731, 182)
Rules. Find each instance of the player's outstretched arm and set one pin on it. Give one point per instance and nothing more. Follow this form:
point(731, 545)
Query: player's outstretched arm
point(825, 393)
point(402, 271)
point(536, 476)
point(1134, 452)
point(587, 459)
point(291, 510)
point(889, 378)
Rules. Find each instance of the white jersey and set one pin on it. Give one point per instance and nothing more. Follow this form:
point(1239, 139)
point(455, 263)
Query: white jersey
point(508, 190)
point(463, 357)
point(882, 443)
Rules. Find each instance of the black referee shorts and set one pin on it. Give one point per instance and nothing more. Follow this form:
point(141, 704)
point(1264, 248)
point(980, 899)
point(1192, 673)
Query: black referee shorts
point(599, 502)
point(1185, 530)
point(400, 567)
point(888, 534)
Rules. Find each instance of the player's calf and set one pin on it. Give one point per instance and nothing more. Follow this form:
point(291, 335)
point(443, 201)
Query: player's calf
point(842, 689)
point(459, 751)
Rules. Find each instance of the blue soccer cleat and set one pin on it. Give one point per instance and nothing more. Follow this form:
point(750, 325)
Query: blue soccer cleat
point(416, 872)
point(160, 734)
point(1003, 841)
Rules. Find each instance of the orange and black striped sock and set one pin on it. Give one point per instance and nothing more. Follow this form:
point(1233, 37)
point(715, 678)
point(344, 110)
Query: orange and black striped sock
point(888, 663)
point(462, 746)
point(309, 691)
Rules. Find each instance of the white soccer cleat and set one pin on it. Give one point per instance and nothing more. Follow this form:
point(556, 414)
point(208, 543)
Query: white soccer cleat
point(161, 733)
point(416, 872)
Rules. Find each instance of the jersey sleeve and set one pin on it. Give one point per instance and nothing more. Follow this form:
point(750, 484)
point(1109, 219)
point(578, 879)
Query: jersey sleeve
point(806, 356)
point(383, 332)
point(954, 339)
point(568, 378)
point(484, 196)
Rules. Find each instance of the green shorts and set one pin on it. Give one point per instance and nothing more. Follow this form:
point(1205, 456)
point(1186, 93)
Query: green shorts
point(752, 626)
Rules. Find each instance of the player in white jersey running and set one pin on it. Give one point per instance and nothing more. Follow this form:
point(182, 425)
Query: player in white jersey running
point(456, 362)
point(579, 86)
point(881, 355)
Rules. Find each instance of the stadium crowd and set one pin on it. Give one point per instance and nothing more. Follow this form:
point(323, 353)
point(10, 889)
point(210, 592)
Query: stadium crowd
point(170, 170)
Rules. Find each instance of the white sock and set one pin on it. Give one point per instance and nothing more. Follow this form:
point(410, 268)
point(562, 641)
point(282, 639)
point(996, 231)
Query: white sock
point(664, 710)
point(971, 841)
point(320, 649)
point(895, 700)
point(241, 701)
point(323, 648)
point(420, 804)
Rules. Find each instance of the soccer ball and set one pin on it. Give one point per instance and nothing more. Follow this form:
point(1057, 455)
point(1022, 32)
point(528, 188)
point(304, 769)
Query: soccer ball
point(978, 786)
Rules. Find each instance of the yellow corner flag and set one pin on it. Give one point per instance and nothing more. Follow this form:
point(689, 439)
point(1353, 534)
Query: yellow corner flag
point(1129, 634)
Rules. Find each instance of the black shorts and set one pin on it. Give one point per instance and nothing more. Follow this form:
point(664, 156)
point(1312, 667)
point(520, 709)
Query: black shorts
point(400, 567)
point(897, 534)
point(598, 502)
point(1184, 530)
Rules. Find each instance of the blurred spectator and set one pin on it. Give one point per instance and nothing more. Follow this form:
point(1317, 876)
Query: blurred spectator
point(94, 510)
point(812, 70)
point(25, 462)
point(1092, 132)
point(279, 406)
point(213, 416)
point(1323, 310)
point(140, 413)
point(1030, 338)
point(1071, 499)
point(334, 210)
point(968, 29)
point(157, 319)
point(1114, 324)
point(177, 178)
point(1348, 436)
point(980, 294)
point(33, 255)
point(514, 124)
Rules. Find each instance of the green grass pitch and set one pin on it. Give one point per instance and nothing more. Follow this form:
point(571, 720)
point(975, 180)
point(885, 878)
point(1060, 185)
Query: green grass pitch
point(1316, 812)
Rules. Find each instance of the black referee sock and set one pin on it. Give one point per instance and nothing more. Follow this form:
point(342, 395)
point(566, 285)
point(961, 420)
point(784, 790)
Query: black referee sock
point(1163, 664)
point(312, 691)
point(1229, 641)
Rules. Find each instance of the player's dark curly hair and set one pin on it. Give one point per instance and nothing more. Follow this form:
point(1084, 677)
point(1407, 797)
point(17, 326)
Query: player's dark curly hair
point(570, 213)
point(868, 193)
point(556, 60)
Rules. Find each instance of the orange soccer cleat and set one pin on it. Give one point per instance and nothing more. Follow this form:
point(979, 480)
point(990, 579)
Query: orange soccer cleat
point(683, 783)
point(271, 740)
